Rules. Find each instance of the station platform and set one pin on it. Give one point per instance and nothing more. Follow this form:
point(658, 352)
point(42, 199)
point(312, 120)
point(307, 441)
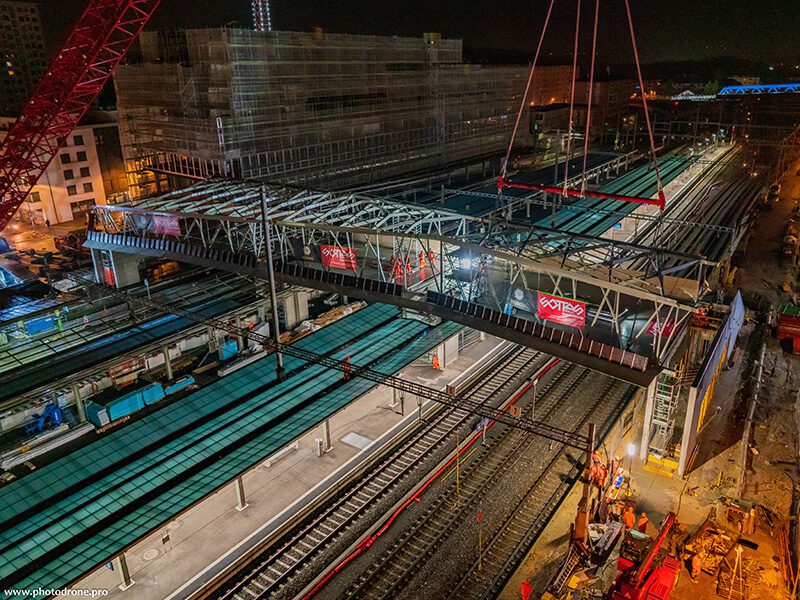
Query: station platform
point(129, 483)
point(178, 557)
point(92, 334)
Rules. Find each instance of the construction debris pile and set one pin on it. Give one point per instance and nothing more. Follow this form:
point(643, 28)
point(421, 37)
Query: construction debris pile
point(713, 545)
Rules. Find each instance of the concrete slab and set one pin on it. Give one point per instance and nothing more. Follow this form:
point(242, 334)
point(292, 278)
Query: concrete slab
point(355, 440)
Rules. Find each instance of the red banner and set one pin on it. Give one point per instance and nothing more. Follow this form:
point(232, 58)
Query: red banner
point(665, 327)
point(338, 257)
point(167, 226)
point(561, 310)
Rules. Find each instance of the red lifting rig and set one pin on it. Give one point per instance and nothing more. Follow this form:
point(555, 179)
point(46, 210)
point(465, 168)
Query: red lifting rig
point(94, 47)
point(504, 182)
point(655, 574)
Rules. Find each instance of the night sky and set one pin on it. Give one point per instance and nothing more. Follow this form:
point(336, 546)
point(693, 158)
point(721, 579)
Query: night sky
point(760, 30)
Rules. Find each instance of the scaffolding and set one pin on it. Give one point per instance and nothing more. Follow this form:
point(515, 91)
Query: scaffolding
point(313, 109)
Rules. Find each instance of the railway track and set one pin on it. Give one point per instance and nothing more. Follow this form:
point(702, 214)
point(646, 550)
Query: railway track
point(512, 539)
point(386, 576)
point(269, 572)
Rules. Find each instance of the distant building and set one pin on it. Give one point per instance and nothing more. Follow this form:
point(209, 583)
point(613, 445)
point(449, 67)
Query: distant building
point(746, 79)
point(549, 118)
point(611, 100)
point(314, 109)
point(89, 170)
point(22, 53)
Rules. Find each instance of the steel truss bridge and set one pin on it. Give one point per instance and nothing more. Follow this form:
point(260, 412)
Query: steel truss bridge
point(481, 272)
point(750, 90)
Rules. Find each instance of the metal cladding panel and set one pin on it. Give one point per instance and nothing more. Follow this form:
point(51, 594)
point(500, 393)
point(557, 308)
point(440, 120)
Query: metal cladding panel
point(721, 349)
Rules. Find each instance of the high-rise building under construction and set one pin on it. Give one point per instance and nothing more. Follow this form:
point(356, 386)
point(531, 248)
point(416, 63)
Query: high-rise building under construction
point(314, 109)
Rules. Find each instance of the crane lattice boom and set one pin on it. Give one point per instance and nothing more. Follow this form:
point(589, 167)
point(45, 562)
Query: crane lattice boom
point(94, 47)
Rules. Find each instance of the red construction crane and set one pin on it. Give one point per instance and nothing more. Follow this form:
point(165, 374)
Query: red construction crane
point(94, 47)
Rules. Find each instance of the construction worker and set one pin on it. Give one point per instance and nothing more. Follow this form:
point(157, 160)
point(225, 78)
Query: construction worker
point(431, 257)
point(398, 268)
point(602, 476)
point(436, 364)
point(697, 566)
point(641, 525)
point(346, 369)
point(628, 519)
point(421, 257)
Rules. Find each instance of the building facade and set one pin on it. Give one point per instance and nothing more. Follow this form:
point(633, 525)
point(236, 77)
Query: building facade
point(89, 170)
point(313, 109)
point(610, 103)
point(22, 53)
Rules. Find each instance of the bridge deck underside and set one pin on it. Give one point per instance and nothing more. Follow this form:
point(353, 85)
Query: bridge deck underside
point(573, 347)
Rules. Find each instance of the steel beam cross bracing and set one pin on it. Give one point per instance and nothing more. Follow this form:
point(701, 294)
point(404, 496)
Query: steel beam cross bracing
point(472, 406)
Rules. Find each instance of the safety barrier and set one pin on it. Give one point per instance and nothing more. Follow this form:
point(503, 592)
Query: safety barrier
point(339, 279)
point(574, 341)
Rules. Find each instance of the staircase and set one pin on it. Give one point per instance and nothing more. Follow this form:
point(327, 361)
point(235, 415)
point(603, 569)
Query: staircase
point(567, 569)
point(666, 401)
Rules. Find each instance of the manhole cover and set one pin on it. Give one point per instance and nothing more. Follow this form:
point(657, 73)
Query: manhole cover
point(150, 554)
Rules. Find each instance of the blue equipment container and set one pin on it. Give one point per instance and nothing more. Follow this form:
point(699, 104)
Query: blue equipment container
point(124, 406)
point(178, 385)
point(96, 413)
point(228, 350)
point(38, 325)
point(152, 393)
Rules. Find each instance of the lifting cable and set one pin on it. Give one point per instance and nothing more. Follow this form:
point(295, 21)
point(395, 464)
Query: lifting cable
point(524, 101)
point(572, 96)
point(589, 100)
point(564, 190)
point(644, 105)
